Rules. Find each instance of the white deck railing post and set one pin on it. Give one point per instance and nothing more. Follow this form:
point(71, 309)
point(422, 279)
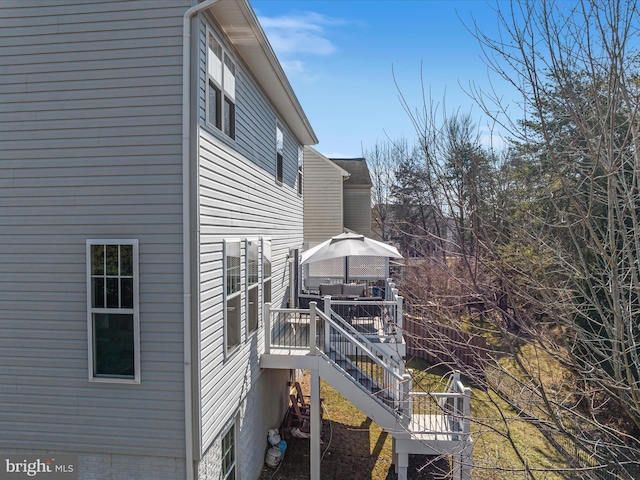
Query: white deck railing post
point(407, 387)
point(312, 328)
point(399, 320)
point(327, 327)
point(466, 412)
point(457, 411)
point(267, 327)
point(316, 426)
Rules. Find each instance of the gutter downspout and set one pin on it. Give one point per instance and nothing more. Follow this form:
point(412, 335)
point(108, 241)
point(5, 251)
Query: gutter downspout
point(186, 231)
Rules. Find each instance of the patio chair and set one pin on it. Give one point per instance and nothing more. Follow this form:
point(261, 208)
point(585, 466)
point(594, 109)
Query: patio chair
point(298, 416)
point(300, 410)
point(302, 399)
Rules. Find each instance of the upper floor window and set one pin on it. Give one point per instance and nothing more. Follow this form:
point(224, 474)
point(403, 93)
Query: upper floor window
point(221, 87)
point(114, 330)
point(279, 154)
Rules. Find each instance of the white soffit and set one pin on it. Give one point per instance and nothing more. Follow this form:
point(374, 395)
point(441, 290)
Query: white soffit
point(237, 19)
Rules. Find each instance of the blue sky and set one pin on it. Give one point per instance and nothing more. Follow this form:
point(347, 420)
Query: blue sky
point(341, 56)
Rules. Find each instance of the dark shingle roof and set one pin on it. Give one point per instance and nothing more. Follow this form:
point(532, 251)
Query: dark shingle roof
point(357, 168)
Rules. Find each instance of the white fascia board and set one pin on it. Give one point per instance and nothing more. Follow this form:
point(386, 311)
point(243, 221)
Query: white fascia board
point(240, 24)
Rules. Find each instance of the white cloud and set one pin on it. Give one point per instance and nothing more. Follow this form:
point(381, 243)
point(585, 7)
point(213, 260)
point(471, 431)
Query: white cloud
point(293, 67)
point(297, 35)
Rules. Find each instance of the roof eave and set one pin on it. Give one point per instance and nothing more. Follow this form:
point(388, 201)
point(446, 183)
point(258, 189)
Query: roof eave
point(239, 22)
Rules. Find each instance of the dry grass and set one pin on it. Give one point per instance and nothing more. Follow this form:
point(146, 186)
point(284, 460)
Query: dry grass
point(355, 448)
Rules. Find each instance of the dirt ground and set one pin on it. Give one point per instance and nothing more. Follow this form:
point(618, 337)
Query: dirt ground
point(353, 448)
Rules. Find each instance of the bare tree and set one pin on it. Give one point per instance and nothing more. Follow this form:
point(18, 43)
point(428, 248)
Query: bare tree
point(383, 160)
point(549, 249)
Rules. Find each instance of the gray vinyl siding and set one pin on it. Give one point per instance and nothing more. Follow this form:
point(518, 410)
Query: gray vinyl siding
point(255, 116)
point(357, 209)
point(323, 198)
point(90, 147)
point(239, 198)
point(237, 201)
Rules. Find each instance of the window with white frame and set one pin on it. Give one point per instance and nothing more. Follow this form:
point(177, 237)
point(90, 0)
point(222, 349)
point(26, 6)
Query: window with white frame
point(300, 164)
point(221, 87)
point(113, 310)
point(229, 454)
point(266, 271)
point(253, 272)
point(279, 154)
point(233, 294)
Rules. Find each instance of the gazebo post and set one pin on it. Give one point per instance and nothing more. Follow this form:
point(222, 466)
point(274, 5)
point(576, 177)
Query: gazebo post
point(346, 269)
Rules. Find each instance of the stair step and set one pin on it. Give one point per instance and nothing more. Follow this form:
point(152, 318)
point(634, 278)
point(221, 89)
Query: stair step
point(365, 382)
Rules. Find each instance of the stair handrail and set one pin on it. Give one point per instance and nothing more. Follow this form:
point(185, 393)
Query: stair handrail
point(362, 338)
point(398, 381)
point(358, 343)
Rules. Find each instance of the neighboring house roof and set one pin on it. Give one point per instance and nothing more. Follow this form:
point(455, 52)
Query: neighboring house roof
point(237, 19)
point(358, 171)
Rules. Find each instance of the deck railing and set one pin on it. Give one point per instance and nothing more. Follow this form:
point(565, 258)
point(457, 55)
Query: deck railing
point(443, 413)
point(289, 329)
point(374, 318)
point(379, 374)
point(310, 331)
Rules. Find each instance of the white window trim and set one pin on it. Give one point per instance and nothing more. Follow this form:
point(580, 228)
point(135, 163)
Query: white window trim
point(230, 351)
point(300, 185)
point(264, 278)
point(250, 287)
point(135, 311)
point(221, 84)
point(279, 132)
point(225, 431)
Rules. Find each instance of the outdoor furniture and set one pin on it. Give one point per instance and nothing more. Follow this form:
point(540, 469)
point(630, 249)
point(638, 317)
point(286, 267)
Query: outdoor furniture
point(342, 290)
point(337, 291)
point(304, 299)
point(298, 416)
point(300, 410)
point(302, 399)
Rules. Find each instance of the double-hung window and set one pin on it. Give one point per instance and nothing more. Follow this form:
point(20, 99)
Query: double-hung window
point(266, 271)
point(233, 293)
point(221, 87)
point(279, 154)
point(229, 454)
point(253, 272)
point(113, 310)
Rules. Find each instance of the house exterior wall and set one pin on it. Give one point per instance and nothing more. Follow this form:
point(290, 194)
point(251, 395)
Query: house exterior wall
point(257, 414)
point(323, 198)
point(238, 199)
point(90, 147)
point(357, 209)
